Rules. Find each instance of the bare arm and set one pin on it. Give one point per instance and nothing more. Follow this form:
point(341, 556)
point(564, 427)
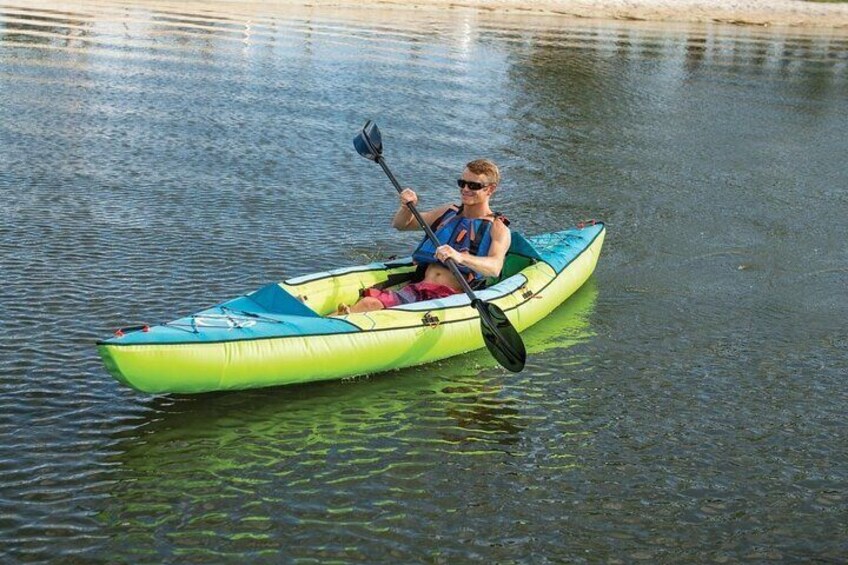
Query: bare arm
point(403, 219)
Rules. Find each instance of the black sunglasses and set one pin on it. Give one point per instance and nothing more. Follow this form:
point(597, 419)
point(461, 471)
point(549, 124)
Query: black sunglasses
point(462, 183)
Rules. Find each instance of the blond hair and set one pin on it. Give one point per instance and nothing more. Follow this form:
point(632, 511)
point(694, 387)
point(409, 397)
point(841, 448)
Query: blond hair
point(485, 167)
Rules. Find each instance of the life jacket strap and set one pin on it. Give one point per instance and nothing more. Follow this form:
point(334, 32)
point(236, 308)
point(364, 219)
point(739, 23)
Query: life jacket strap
point(440, 221)
point(477, 238)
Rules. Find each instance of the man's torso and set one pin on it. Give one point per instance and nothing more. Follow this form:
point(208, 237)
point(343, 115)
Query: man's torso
point(439, 274)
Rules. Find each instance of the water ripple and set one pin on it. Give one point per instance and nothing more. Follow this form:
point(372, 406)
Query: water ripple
point(685, 405)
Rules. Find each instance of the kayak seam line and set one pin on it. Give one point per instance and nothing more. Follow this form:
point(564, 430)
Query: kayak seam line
point(359, 330)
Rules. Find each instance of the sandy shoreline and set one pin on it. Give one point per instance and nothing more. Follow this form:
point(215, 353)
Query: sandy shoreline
point(765, 13)
point(795, 13)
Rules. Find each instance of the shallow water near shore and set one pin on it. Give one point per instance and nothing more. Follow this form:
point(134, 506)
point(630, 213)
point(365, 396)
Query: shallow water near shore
point(687, 404)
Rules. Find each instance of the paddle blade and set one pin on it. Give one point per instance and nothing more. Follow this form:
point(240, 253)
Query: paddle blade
point(369, 143)
point(501, 338)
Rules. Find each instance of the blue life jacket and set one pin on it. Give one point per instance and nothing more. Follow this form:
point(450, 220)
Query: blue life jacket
point(471, 235)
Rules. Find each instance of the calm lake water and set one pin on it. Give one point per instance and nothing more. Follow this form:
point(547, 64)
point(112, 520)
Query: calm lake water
point(688, 404)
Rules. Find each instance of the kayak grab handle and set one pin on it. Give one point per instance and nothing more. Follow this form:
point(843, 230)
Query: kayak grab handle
point(121, 332)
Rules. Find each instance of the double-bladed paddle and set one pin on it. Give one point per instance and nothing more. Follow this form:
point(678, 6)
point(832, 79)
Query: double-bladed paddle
point(500, 336)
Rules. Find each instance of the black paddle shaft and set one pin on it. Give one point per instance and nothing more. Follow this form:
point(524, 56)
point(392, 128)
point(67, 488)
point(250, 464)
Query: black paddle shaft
point(432, 237)
point(500, 337)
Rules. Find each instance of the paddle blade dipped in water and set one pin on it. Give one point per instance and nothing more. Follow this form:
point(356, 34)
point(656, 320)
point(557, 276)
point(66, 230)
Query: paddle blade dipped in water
point(501, 337)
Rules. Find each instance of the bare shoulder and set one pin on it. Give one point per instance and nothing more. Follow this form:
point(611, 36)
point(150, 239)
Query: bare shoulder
point(500, 230)
point(501, 239)
point(440, 209)
point(431, 216)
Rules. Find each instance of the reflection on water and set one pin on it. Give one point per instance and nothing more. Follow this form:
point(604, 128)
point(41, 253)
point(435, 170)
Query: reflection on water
point(361, 448)
point(685, 405)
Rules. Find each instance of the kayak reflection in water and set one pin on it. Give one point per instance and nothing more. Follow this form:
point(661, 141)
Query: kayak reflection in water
point(474, 236)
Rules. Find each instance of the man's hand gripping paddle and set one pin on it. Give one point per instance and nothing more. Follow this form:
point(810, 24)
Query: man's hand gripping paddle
point(501, 338)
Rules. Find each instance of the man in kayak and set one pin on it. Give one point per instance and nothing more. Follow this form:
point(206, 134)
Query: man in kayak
point(474, 236)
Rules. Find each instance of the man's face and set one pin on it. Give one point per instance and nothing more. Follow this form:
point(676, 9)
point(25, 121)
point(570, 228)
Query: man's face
point(470, 196)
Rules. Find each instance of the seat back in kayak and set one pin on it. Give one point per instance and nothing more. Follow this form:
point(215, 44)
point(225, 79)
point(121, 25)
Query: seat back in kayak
point(521, 254)
point(274, 300)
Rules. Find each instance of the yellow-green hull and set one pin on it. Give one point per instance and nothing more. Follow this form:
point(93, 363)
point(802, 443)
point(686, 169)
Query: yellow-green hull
point(356, 344)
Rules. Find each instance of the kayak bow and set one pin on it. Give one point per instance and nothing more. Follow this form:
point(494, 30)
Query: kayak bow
point(281, 334)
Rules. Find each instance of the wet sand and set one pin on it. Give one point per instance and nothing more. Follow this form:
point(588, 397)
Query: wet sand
point(796, 13)
point(765, 13)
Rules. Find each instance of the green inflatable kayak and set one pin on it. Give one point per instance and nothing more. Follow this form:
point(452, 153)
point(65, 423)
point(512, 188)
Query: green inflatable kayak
point(281, 334)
